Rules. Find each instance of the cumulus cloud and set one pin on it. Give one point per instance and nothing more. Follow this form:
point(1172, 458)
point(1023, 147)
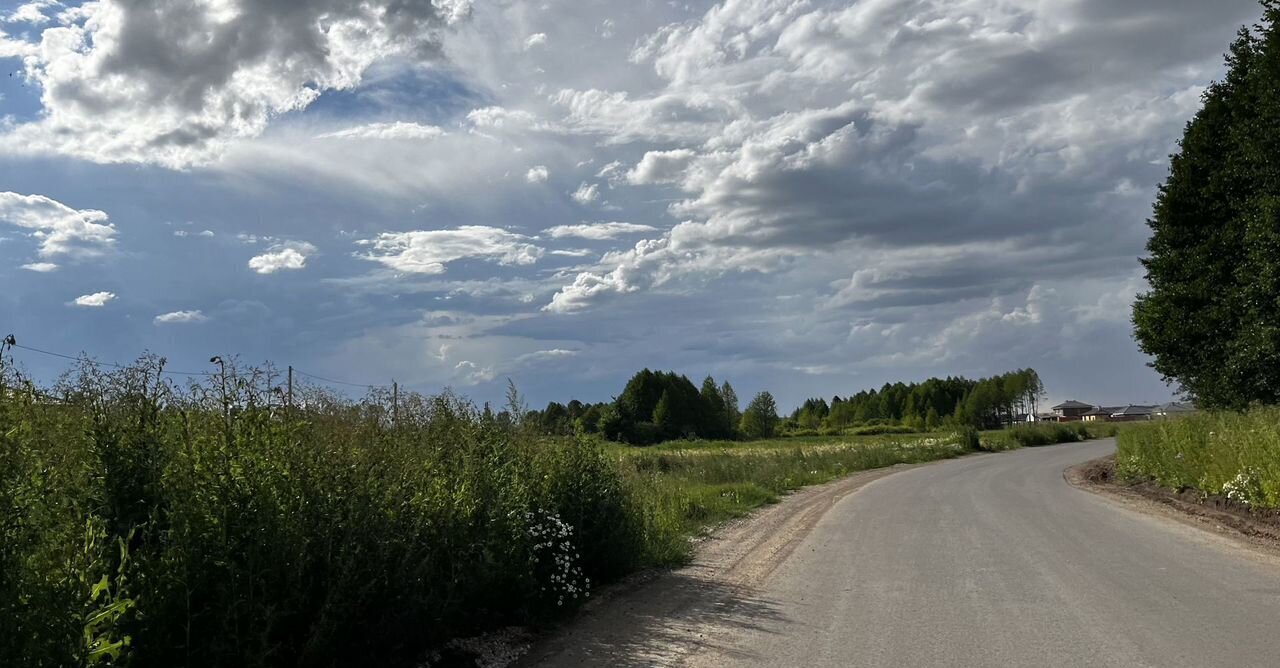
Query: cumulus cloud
point(396, 130)
point(471, 373)
point(31, 12)
point(586, 193)
point(800, 128)
point(173, 83)
point(185, 233)
point(61, 229)
point(661, 166)
point(97, 299)
point(598, 231)
point(291, 255)
point(40, 267)
point(428, 251)
point(536, 39)
point(537, 174)
point(181, 317)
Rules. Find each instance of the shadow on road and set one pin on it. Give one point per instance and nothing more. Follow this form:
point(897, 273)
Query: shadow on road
point(679, 614)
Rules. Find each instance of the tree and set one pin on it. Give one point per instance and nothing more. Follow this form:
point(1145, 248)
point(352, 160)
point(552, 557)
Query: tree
point(714, 421)
point(1211, 319)
point(663, 418)
point(731, 415)
point(760, 419)
point(931, 420)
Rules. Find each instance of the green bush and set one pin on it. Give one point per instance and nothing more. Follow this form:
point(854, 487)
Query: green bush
point(210, 525)
point(1045, 433)
point(1233, 454)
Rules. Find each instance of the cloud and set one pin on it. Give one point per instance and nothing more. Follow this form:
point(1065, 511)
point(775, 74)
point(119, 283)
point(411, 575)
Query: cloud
point(536, 39)
point(472, 373)
point(538, 356)
point(598, 231)
point(537, 174)
point(661, 166)
point(61, 229)
point(41, 267)
point(174, 83)
point(97, 299)
point(428, 251)
point(586, 193)
point(396, 130)
point(291, 255)
point(501, 118)
point(185, 233)
point(31, 12)
point(179, 317)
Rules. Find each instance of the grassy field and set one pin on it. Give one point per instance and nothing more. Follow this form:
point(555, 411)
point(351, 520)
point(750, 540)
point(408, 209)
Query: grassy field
point(210, 524)
point(1236, 455)
point(692, 485)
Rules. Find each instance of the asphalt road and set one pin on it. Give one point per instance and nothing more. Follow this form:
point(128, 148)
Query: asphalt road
point(983, 561)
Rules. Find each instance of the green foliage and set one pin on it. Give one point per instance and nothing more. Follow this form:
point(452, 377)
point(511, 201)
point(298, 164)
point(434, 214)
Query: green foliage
point(1236, 455)
point(760, 419)
point(660, 406)
point(694, 487)
point(1044, 433)
point(157, 525)
point(987, 402)
point(1211, 319)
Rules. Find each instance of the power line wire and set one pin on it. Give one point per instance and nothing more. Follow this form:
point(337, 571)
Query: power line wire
point(94, 362)
point(330, 380)
point(88, 360)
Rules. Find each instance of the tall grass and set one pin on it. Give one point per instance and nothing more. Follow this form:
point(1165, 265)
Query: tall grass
point(209, 525)
point(699, 486)
point(1233, 454)
point(1045, 433)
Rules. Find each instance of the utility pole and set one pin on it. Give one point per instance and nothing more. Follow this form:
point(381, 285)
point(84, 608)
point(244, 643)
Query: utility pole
point(288, 402)
point(395, 403)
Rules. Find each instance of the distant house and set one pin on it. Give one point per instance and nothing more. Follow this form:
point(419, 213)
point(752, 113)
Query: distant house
point(1070, 411)
point(1133, 412)
point(1174, 409)
point(1100, 413)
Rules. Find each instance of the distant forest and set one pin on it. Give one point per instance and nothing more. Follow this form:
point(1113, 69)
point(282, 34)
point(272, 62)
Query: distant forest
point(658, 406)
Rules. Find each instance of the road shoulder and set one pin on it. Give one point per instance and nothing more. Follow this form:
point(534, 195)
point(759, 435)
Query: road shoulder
point(1257, 532)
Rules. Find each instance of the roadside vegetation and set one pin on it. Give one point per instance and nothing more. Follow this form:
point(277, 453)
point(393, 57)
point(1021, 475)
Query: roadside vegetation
point(212, 524)
point(1211, 319)
point(228, 521)
point(1235, 455)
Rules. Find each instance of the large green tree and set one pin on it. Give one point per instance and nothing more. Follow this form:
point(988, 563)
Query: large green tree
point(1211, 319)
point(760, 419)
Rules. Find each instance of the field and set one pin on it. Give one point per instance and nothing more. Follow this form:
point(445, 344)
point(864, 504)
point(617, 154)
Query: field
point(1236, 455)
point(217, 524)
point(695, 484)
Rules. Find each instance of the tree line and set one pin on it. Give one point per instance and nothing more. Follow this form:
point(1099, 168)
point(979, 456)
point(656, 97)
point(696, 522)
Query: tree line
point(984, 403)
point(657, 406)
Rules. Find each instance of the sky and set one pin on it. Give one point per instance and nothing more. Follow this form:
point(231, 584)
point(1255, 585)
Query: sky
point(800, 196)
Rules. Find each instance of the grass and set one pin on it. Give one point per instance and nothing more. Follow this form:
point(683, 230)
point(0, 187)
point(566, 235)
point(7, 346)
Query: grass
point(1045, 433)
point(695, 485)
point(1236, 455)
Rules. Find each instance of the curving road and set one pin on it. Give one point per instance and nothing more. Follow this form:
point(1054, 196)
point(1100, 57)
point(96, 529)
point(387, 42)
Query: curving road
point(983, 561)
